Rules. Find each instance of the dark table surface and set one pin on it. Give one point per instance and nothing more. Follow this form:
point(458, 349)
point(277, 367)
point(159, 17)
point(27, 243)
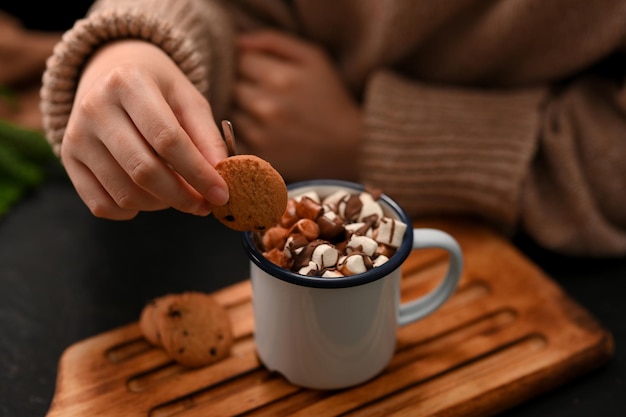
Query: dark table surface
point(66, 276)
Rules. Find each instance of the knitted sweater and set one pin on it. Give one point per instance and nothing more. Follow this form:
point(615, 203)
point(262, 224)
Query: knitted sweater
point(491, 109)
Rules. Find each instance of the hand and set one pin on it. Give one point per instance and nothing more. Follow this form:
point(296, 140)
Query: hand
point(293, 108)
point(141, 137)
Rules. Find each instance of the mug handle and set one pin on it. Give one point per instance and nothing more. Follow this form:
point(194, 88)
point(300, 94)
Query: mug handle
point(432, 238)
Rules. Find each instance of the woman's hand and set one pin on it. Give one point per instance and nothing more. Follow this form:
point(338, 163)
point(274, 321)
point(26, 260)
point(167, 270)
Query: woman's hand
point(293, 108)
point(141, 137)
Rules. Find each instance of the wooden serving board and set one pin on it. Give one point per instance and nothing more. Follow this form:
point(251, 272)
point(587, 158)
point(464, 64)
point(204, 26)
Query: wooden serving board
point(508, 333)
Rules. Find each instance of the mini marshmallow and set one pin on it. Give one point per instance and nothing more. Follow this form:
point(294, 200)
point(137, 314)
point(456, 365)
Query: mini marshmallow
point(307, 228)
point(310, 270)
point(370, 207)
point(379, 260)
point(294, 246)
point(311, 194)
point(332, 273)
point(325, 256)
point(355, 264)
point(331, 227)
point(384, 250)
point(390, 232)
point(329, 213)
point(362, 244)
point(333, 199)
point(354, 234)
point(354, 227)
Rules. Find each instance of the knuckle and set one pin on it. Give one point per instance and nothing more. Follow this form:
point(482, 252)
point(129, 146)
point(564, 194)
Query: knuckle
point(164, 138)
point(100, 208)
point(119, 82)
point(91, 103)
point(279, 80)
point(142, 169)
point(122, 78)
point(268, 109)
point(125, 200)
point(70, 141)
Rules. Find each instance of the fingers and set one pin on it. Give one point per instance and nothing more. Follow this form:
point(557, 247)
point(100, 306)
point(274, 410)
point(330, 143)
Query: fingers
point(138, 172)
point(279, 44)
point(129, 173)
point(259, 103)
point(110, 192)
point(93, 194)
point(261, 68)
point(141, 137)
point(172, 143)
point(194, 114)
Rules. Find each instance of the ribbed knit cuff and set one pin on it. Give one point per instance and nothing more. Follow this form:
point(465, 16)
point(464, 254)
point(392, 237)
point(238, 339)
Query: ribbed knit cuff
point(446, 150)
point(64, 66)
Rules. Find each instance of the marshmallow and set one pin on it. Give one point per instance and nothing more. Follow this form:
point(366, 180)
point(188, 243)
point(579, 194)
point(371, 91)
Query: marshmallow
point(390, 232)
point(354, 227)
point(349, 208)
point(311, 269)
point(333, 200)
point(325, 256)
point(356, 263)
point(343, 234)
point(307, 228)
point(307, 208)
point(379, 260)
point(370, 207)
point(362, 244)
point(313, 195)
point(332, 273)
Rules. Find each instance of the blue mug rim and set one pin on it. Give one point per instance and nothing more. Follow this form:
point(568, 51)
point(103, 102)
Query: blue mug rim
point(395, 262)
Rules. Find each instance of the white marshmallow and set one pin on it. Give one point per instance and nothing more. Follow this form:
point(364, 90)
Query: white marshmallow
point(329, 214)
point(364, 244)
point(325, 256)
point(333, 199)
point(390, 232)
point(332, 273)
point(353, 264)
point(353, 227)
point(370, 207)
point(380, 259)
point(311, 267)
point(311, 194)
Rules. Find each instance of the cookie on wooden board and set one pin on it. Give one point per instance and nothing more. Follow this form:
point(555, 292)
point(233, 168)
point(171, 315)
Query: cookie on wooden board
point(258, 194)
point(147, 320)
point(191, 327)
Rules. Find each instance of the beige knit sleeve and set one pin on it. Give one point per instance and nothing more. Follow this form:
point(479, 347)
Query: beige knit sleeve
point(197, 35)
point(447, 150)
point(574, 200)
point(552, 164)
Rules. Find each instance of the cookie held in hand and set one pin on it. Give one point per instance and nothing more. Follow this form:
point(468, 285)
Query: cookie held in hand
point(191, 327)
point(258, 194)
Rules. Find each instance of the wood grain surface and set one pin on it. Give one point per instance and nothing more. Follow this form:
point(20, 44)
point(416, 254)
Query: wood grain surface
point(508, 333)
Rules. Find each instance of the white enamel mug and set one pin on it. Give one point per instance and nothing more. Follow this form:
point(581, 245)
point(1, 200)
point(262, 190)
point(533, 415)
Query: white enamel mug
point(331, 333)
